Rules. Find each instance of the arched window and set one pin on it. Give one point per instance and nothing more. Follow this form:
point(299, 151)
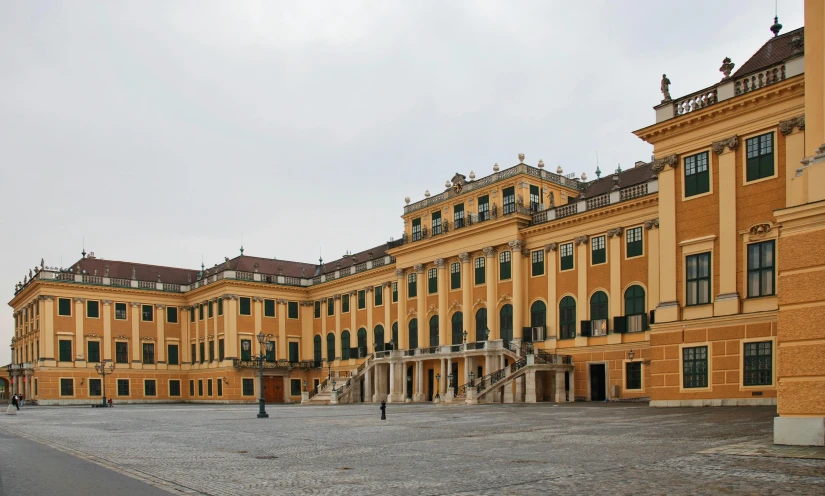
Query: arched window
point(434, 330)
point(316, 343)
point(413, 327)
point(331, 346)
point(395, 343)
point(598, 314)
point(345, 345)
point(538, 314)
point(634, 308)
point(481, 324)
point(506, 322)
point(378, 334)
point(458, 327)
point(567, 318)
point(362, 343)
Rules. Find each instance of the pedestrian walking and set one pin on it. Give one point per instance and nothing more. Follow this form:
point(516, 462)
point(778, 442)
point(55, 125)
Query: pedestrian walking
point(14, 402)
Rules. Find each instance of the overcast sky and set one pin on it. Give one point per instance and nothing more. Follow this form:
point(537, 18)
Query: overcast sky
point(164, 132)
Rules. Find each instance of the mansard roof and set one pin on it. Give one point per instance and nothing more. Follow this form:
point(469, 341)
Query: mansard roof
point(773, 52)
point(636, 175)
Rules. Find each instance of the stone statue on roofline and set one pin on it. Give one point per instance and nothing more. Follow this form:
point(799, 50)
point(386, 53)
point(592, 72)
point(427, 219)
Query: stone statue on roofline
point(665, 87)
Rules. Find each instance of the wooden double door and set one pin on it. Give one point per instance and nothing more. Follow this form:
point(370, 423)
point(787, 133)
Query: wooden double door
point(273, 389)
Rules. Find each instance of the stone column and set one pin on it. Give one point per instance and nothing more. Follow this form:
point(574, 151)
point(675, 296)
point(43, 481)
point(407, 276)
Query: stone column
point(491, 281)
point(667, 168)
point(552, 300)
point(185, 337)
point(215, 332)
point(368, 384)
point(323, 320)
point(530, 386)
point(442, 388)
point(197, 357)
point(727, 301)
point(558, 391)
point(421, 314)
point(404, 366)
point(519, 305)
point(444, 325)
point(652, 262)
point(230, 334)
point(257, 317)
point(135, 306)
point(419, 380)
point(403, 335)
point(519, 394)
point(391, 393)
point(160, 318)
point(79, 341)
point(107, 329)
point(467, 293)
point(287, 391)
point(339, 350)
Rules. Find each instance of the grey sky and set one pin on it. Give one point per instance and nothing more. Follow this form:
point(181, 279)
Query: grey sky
point(166, 131)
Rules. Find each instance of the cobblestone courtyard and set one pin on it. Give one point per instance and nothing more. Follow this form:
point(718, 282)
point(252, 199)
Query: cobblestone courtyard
point(426, 450)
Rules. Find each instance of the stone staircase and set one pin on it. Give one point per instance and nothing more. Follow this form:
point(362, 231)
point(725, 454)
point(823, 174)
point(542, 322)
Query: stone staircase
point(323, 394)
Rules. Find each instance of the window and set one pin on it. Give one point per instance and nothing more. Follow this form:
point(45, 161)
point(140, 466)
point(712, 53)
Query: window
point(95, 387)
point(211, 351)
point(92, 309)
point(598, 314)
point(504, 266)
point(293, 351)
point(566, 253)
point(194, 353)
point(200, 311)
point(202, 350)
point(535, 198)
point(269, 308)
point(413, 328)
point(697, 175)
point(378, 294)
point(191, 314)
point(344, 303)
point(295, 387)
point(597, 251)
point(64, 307)
point(483, 208)
point(209, 387)
point(220, 306)
point(147, 313)
point(538, 314)
point(760, 269)
point(633, 379)
point(698, 279)
point(537, 258)
point(633, 238)
point(123, 387)
point(436, 223)
point(505, 321)
point(394, 292)
point(248, 387)
point(330, 307)
point(221, 348)
point(120, 311)
point(760, 157)
point(434, 330)
point(455, 275)
point(200, 387)
point(220, 387)
point(567, 318)
point(458, 216)
point(210, 310)
point(172, 354)
point(191, 387)
point(378, 338)
point(416, 229)
point(362, 343)
point(65, 350)
point(172, 315)
point(432, 280)
point(634, 309)
point(149, 387)
point(345, 346)
point(412, 286)
point(758, 366)
point(695, 367)
point(174, 387)
point(121, 352)
point(270, 352)
point(317, 309)
point(362, 299)
point(148, 353)
point(244, 305)
point(246, 349)
point(509, 196)
point(66, 387)
point(93, 351)
point(292, 310)
point(395, 343)
point(480, 270)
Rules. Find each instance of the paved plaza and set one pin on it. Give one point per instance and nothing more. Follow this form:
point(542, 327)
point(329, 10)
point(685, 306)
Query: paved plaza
point(429, 450)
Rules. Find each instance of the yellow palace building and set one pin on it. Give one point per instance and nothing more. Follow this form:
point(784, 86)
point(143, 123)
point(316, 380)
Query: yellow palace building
point(692, 279)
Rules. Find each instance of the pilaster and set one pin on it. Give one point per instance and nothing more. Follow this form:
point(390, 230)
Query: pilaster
point(107, 329)
point(47, 335)
point(230, 313)
point(582, 261)
point(666, 168)
point(616, 297)
point(727, 301)
point(652, 234)
point(306, 309)
point(386, 295)
point(444, 325)
point(369, 296)
point(403, 337)
point(160, 319)
point(518, 287)
point(552, 298)
point(337, 303)
point(79, 341)
point(466, 295)
point(490, 278)
point(421, 300)
point(135, 309)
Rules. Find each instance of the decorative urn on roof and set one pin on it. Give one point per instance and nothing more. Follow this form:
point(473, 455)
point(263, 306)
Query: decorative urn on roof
point(520, 158)
point(495, 167)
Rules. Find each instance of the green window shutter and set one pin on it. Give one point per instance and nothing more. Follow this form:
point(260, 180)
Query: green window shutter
point(292, 309)
point(194, 353)
point(200, 312)
point(759, 162)
point(92, 309)
point(585, 328)
point(191, 313)
point(633, 238)
point(394, 292)
point(537, 263)
point(221, 352)
point(245, 306)
point(458, 215)
point(220, 306)
point(270, 352)
point(619, 325)
point(93, 351)
point(172, 315)
point(211, 310)
point(64, 306)
point(293, 352)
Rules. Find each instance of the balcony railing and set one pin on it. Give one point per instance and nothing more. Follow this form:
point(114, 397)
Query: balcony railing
point(759, 80)
point(601, 201)
point(695, 101)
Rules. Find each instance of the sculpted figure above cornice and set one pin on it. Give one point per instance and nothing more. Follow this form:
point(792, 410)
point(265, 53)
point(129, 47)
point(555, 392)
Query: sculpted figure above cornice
point(719, 146)
point(658, 164)
point(787, 127)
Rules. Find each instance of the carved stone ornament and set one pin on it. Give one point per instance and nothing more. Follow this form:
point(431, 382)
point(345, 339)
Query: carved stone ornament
point(787, 127)
point(760, 230)
point(418, 268)
point(257, 298)
point(307, 303)
point(439, 262)
point(353, 293)
point(368, 289)
point(399, 273)
point(80, 300)
point(432, 309)
point(134, 304)
point(455, 305)
point(464, 257)
point(731, 143)
point(387, 284)
point(658, 164)
point(479, 303)
point(412, 312)
point(581, 240)
point(489, 251)
point(516, 245)
point(281, 301)
point(505, 297)
point(650, 224)
point(616, 231)
point(106, 302)
point(121, 338)
point(46, 297)
point(147, 338)
point(160, 306)
point(92, 335)
point(337, 297)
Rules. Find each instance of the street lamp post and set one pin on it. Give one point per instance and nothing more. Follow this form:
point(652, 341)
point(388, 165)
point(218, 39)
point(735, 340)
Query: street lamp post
point(465, 335)
point(438, 386)
point(103, 369)
point(266, 345)
point(472, 376)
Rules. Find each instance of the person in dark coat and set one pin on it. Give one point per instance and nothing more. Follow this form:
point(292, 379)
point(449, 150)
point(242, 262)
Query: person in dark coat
point(14, 401)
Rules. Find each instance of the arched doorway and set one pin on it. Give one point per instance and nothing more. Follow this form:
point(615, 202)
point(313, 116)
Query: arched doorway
point(538, 318)
point(331, 346)
point(481, 324)
point(506, 322)
point(345, 346)
point(362, 342)
point(598, 314)
point(567, 318)
point(458, 327)
point(378, 334)
point(634, 308)
point(434, 330)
